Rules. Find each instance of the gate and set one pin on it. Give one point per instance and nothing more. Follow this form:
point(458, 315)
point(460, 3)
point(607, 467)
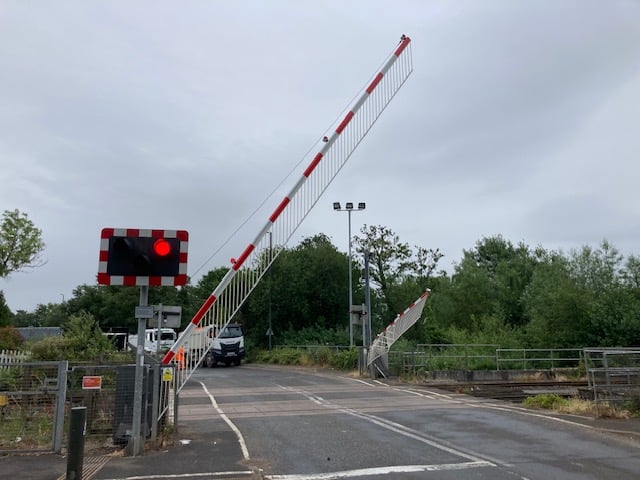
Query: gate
point(613, 374)
point(109, 399)
point(32, 406)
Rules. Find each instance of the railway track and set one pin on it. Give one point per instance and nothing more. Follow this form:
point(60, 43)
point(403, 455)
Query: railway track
point(514, 391)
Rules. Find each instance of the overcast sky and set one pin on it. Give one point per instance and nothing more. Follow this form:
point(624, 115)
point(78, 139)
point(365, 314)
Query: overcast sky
point(520, 118)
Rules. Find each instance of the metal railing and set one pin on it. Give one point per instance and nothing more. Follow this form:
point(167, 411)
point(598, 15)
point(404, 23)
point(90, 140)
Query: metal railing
point(441, 356)
point(313, 348)
point(537, 358)
point(613, 374)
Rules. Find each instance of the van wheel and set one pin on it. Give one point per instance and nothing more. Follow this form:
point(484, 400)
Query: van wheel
point(208, 361)
point(236, 362)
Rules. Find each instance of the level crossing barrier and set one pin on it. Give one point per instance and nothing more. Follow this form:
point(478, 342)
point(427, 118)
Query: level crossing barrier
point(334, 149)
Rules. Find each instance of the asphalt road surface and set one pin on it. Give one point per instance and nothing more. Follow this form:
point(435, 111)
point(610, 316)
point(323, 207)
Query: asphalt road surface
point(294, 424)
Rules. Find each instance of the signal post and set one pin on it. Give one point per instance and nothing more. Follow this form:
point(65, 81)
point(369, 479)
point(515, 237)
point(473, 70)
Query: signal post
point(142, 257)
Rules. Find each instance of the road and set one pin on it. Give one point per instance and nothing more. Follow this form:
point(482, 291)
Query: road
point(293, 424)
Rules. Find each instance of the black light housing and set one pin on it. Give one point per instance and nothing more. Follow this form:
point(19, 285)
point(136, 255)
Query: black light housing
point(143, 256)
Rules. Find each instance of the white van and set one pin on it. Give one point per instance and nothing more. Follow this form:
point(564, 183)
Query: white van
point(168, 337)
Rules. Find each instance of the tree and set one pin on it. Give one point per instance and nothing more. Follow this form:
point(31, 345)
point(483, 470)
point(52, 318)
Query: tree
point(5, 312)
point(559, 310)
point(10, 338)
point(198, 294)
point(307, 292)
point(390, 261)
point(491, 279)
point(20, 243)
point(609, 296)
point(113, 306)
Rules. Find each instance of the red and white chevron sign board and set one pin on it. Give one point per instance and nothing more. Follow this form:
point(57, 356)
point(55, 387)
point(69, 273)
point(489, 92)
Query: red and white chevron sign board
point(104, 278)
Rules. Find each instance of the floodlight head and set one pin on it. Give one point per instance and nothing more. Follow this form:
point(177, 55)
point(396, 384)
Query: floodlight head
point(349, 206)
point(361, 206)
point(336, 205)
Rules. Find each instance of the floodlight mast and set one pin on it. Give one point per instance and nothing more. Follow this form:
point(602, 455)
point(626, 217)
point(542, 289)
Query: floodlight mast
point(349, 208)
point(336, 146)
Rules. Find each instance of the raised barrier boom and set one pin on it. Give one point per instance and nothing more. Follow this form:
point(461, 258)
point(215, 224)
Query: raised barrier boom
point(403, 322)
point(335, 149)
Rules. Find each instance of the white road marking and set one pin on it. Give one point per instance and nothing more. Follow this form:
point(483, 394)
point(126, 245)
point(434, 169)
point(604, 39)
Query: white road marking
point(394, 427)
point(236, 430)
point(380, 471)
point(505, 408)
point(165, 476)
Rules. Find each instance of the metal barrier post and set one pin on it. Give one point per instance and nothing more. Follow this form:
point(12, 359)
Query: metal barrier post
point(156, 383)
point(77, 431)
point(58, 420)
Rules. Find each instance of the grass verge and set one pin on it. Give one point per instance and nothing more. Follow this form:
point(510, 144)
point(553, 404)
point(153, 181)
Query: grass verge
point(576, 406)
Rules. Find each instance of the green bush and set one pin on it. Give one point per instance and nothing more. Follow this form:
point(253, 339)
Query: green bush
point(322, 357)
point(10, 379)
point(547, 401)
point(280, 356)
point(345, 359)
point(81, 339)
point(633, 404)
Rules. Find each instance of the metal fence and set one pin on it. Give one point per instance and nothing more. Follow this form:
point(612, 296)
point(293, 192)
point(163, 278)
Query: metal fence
point(613, 375)
point(537, 358)
point(36, 397)
point(108, 394)
point(313, 348)
point(439, 356)
point(32, 406)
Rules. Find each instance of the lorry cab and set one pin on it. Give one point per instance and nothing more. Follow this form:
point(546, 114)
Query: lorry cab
point(227, 347)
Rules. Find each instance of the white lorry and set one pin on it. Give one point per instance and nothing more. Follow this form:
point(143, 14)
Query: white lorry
point(228, 347)
point(206, 344)
point(152, 345)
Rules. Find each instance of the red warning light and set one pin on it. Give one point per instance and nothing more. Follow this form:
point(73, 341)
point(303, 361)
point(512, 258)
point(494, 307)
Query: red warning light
point(161, 247)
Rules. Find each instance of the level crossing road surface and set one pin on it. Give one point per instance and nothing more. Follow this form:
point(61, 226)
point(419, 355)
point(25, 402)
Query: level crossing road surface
point(285, 423)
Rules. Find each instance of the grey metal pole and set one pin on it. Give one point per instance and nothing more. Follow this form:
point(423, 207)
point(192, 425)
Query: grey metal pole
point(135, 442)
point(367, 295)
point(270, 332)
point(156, 380)
point(158, 330)
point(350, 285)
point(58, 432)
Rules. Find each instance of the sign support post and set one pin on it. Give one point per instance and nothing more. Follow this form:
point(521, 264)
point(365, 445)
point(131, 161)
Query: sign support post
point(135, 441)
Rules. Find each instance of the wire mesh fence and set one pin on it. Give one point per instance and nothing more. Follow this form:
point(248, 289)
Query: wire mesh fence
point(36, 397)
point(108, 392)
point(32, 401)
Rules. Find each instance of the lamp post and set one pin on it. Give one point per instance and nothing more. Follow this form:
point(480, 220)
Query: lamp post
point(349, 208)
point(270, 330)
